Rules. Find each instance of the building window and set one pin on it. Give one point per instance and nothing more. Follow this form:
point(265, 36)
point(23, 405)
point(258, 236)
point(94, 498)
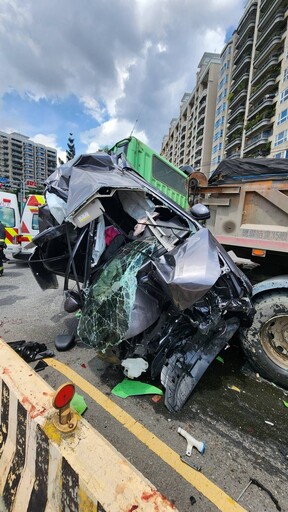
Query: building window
point(281, 137)
point(284, 95)
point(283, 116)
point(285, 76)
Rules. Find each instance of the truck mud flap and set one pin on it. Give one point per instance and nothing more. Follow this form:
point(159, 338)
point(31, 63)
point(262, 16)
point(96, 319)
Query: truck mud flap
point(185, 368)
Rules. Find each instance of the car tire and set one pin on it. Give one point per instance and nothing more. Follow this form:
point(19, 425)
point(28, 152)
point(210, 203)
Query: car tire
point(265, 342)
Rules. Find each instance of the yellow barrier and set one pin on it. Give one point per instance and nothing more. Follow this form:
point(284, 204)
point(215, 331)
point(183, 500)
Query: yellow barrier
point(42, 469)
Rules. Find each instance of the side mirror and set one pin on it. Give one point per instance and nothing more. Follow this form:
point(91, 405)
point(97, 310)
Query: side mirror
point(200, 212)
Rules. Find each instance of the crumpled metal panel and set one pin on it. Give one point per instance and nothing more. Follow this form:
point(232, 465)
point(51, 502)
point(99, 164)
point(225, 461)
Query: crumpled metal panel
point(191, 269)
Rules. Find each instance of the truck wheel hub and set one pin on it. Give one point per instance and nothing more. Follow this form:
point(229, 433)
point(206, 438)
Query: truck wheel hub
point(274, 339)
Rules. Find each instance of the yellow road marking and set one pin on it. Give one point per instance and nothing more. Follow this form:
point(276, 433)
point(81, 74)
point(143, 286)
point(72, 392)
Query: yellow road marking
point(211, 491)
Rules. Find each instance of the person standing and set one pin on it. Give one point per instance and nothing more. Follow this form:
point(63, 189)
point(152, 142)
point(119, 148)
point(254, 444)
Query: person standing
point(2, 246)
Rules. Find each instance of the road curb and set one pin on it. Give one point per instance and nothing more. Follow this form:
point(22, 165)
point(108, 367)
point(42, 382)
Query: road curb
point(43, 469)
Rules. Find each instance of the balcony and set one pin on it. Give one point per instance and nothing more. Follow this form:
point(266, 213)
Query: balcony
point(274, 44)
point(236, 84)
point(260, 139)
point(202, 95)
point(239, 96)
point(277, 25)
point(247, 42)
point(265, 122)
point(266, 87)
point(265, 102)
point(244, 65)
point(239, 110)
point(234, 142)
point(248, 17)
point(235, 127)
point(201, 121)
point(199, 138)
point(233, 154)
point(269, 14)
point(271, 64)
point(265, 4)
point(16, 158)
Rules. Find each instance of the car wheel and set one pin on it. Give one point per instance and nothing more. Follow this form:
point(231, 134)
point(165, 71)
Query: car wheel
point(266, 341)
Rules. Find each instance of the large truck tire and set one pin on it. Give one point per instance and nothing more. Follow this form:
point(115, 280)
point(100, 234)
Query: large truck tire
point(266, 342)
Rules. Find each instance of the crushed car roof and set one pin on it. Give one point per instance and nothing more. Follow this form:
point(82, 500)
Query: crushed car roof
point(79, 180)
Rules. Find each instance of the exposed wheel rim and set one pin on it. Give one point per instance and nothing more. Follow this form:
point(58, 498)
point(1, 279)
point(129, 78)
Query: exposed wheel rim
point(274, 340)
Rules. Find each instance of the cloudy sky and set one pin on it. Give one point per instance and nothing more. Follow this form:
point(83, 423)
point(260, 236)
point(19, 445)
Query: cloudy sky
point(102, 68)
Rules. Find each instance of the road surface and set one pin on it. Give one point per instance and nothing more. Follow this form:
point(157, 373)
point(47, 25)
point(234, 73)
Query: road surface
point(241, 418)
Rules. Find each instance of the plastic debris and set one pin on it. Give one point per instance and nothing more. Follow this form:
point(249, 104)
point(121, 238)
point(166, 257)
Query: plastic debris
point(133, 367)
point(41, 365)
point(234, 388)
point(30, 350)
point(285, 403)
point(269, 423)
point(83, 365)
point(190, 463)
point(156, 398)
point(133, 387)
point(220, 359)
point(78, 404)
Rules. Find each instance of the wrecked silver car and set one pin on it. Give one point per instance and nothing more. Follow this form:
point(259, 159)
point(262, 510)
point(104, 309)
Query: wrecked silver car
point(154, 287)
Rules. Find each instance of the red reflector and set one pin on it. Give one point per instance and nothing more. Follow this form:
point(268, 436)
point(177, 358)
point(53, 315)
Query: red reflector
point(6, 200)
point(64, 395)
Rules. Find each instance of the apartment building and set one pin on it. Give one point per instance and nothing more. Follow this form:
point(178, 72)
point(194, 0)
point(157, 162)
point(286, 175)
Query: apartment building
point(257, 119)
point(250, 117)
point(22, 159)
point(222, 103)
point(189, 140)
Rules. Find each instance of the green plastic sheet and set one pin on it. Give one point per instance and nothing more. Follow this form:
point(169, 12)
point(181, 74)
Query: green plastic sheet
point(133, 387)
point(78, 404)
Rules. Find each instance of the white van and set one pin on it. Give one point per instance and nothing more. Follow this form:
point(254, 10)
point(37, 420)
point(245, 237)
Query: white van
point(29, 223)
point(10, 217)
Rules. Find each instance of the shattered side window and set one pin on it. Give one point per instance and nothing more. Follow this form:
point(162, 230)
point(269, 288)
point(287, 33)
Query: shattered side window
point(107, 310)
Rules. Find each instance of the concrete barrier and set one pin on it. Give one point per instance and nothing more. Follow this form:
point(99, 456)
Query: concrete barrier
point(44, 470)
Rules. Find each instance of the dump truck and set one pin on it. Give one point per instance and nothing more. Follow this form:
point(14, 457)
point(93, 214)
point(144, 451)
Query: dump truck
point(248, 204)
point(154, 168)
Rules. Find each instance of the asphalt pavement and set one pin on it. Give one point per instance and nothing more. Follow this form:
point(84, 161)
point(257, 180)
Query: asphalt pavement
point(241, 418)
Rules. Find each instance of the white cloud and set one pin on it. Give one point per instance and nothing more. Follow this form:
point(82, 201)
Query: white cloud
point(129, 60)
point(94, 108)
point(50, 141)
point(109, 133)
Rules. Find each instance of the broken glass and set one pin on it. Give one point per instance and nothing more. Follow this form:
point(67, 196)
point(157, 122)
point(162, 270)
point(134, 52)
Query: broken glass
point(110, 299)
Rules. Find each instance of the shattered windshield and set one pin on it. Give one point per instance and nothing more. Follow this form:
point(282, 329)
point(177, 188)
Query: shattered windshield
point(109, 303)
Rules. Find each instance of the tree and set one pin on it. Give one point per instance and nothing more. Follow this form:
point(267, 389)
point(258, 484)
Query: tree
point(105, 149)
point(60, 161)
point(70, 151)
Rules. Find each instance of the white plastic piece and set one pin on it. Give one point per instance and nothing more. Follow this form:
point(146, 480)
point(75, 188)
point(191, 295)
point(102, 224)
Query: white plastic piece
point(191, 442)
point(99, 246)
point(57, 206)
point(134, 367)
